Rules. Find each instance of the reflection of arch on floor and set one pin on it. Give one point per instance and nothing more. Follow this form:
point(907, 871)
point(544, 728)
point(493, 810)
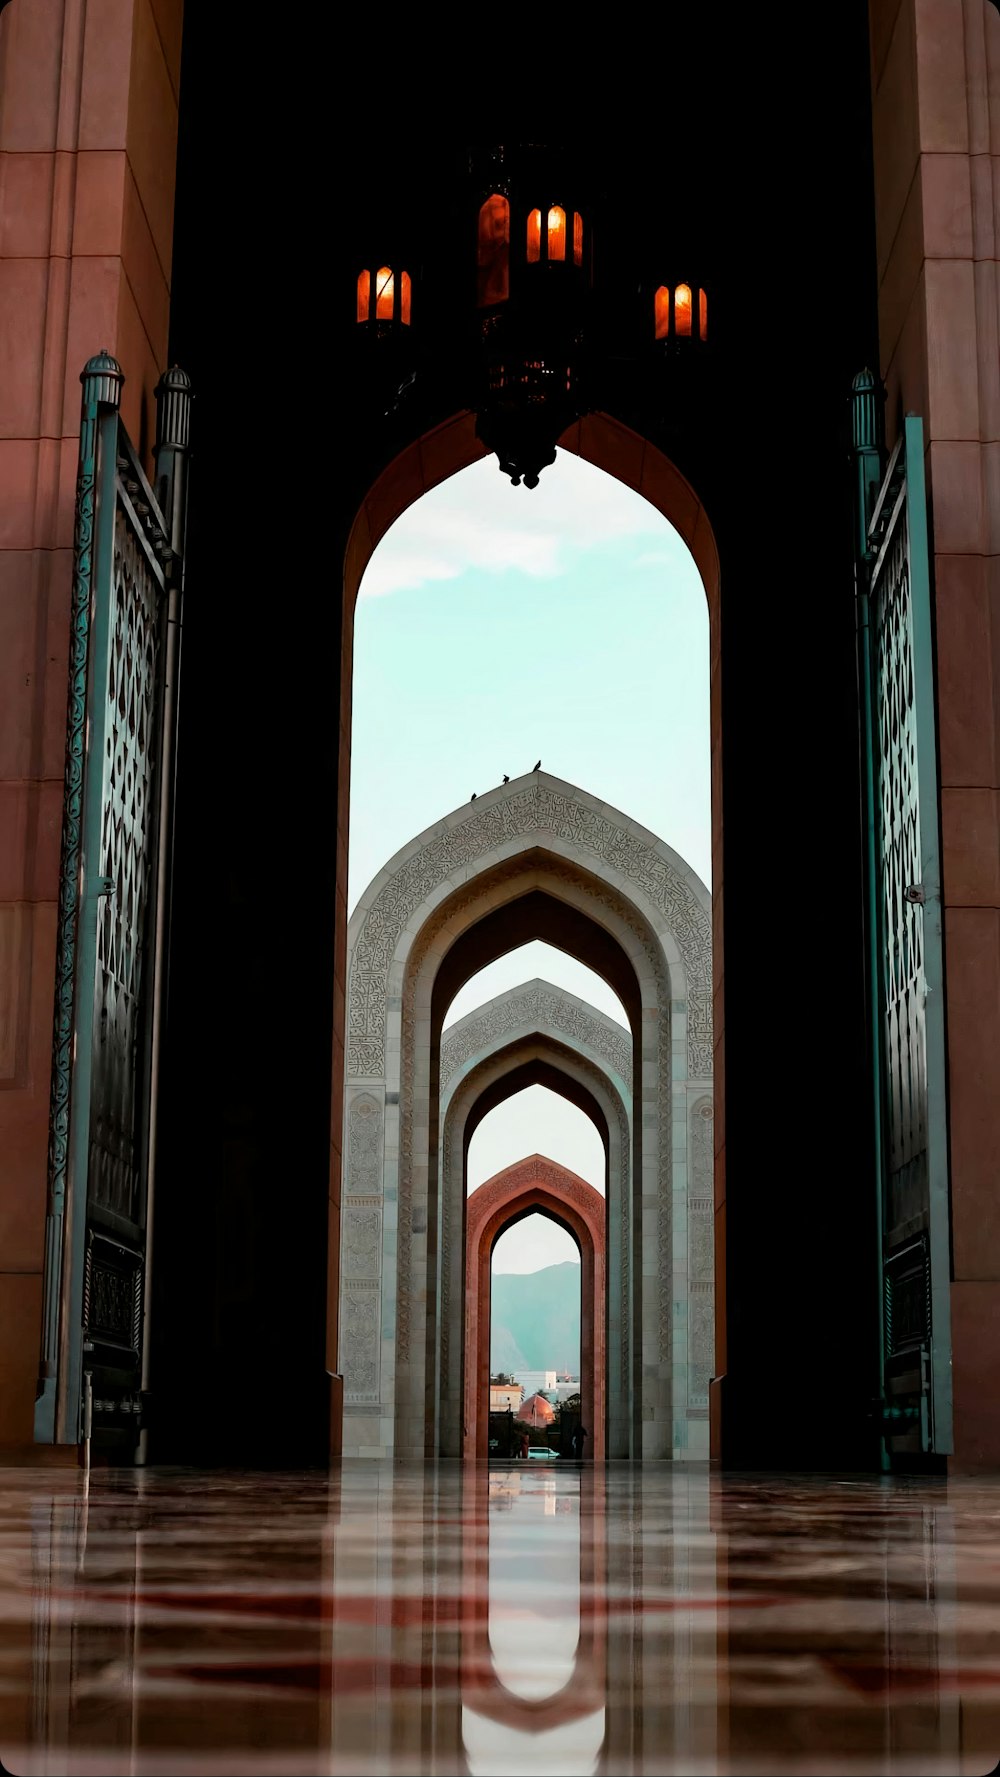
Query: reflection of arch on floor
point(485, 1059)
point(491, 1743)
point(537, 858)
point(579, 1697)
point(534, 1184)
point(586, 1690)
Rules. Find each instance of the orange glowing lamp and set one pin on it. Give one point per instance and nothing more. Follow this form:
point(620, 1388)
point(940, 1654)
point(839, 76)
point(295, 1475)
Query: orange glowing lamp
point(674, 312)
point(382, 297)
point(557, 233)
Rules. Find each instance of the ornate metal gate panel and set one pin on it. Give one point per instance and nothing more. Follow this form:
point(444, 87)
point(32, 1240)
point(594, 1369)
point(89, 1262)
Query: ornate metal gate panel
point(111, 923)
point(905, 919)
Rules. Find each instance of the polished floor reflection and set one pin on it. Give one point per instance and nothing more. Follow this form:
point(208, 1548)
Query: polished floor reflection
point(449, 1620)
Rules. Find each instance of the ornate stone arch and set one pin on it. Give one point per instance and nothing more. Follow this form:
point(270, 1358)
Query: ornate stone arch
point(580, 1077)
point(556, 817)
point(541, 835)
point(535, 1005)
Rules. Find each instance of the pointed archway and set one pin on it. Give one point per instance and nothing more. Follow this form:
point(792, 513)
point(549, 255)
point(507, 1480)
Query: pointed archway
point(538, 1034)
point(536, 858)
point(535, 1184)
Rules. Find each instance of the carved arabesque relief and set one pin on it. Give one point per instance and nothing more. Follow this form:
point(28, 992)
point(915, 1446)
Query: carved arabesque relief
point(364, 1146)
point(361, 1250)
point(701, 1253)
point(548, 1009)
point(536, 1172)
point(538, 807)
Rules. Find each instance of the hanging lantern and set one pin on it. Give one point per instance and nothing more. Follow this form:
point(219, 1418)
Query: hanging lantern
point(383, 298)
point(680, 311)
point(532, 284)
point(386, 359)
point(493, 251)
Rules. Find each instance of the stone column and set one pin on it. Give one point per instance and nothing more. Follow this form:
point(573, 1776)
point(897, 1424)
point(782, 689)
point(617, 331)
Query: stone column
point(88, 145)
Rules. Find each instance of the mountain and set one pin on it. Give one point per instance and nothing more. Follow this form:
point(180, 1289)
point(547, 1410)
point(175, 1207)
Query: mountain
point(536, 1319)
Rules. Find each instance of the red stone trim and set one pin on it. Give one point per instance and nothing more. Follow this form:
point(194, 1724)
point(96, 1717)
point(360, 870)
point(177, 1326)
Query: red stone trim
point(535, 1183)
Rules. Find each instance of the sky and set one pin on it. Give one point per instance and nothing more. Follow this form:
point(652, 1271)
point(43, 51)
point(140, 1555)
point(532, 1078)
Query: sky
point(496, 625)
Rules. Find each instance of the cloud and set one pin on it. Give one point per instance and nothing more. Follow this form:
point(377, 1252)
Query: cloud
point(477, 522)
point(656, 558)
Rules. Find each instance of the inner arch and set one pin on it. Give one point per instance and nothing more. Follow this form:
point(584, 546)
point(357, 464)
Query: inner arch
point(536, 1119)
point(538, 1071)
point(535, 1184)
point(540, 961)
point(536, 913)
point(608, 1108)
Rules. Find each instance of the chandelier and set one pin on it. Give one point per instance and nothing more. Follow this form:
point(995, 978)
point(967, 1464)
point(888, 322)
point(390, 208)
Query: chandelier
point(533, 366)
point(533, 277)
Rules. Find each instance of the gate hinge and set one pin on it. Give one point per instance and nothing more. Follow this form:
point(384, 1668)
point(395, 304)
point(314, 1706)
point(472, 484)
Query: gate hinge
point(914, 892)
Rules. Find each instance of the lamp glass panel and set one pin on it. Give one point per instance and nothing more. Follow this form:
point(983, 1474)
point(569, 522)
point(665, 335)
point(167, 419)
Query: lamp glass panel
point(577, 238)
point(534, 236)
point(384, 293)
point(493, 252)
point(661, 311)
point(702, 315)
point(364, 294)
point(404, 298)
point(557, 233)
point(682, 311)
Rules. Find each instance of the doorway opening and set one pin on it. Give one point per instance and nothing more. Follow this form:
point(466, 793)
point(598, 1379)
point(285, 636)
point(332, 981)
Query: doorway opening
point(553, 963)
point(535, 1339)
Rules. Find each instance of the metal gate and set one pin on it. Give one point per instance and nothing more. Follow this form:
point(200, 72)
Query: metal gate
point(112, 949)
point(904, 919)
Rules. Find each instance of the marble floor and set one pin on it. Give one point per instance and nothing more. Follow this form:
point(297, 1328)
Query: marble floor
point(449, 1620)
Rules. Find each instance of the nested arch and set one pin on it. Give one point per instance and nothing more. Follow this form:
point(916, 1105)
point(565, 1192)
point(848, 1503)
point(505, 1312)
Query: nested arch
point(536, 858)
point(506, 1062)
point(499, 910)
point(609, 445)
point(535, 1184)
point(535, 1005)
point(492, 907)
point(558, 827)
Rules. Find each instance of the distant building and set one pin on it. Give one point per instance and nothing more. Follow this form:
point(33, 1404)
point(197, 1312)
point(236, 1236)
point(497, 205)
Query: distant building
point(505, 1393)
point(536, 1411)
point(562, 1389)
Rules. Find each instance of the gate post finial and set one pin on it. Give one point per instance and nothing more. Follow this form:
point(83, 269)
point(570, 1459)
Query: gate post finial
point(173, 431)
point(867, 397)
point(102, 378)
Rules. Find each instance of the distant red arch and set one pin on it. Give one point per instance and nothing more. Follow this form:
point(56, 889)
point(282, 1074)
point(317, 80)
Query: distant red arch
point(535, 1184)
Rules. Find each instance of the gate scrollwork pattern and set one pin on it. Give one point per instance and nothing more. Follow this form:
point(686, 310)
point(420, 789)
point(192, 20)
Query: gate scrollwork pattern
point(904, 986)
point(127, 858)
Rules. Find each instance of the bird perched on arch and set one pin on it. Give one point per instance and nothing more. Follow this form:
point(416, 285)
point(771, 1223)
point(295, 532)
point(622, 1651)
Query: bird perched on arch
point(472, 798)
point(537, 765)
point(506, 778)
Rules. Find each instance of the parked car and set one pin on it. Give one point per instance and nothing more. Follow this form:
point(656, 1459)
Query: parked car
point(542, 1453)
